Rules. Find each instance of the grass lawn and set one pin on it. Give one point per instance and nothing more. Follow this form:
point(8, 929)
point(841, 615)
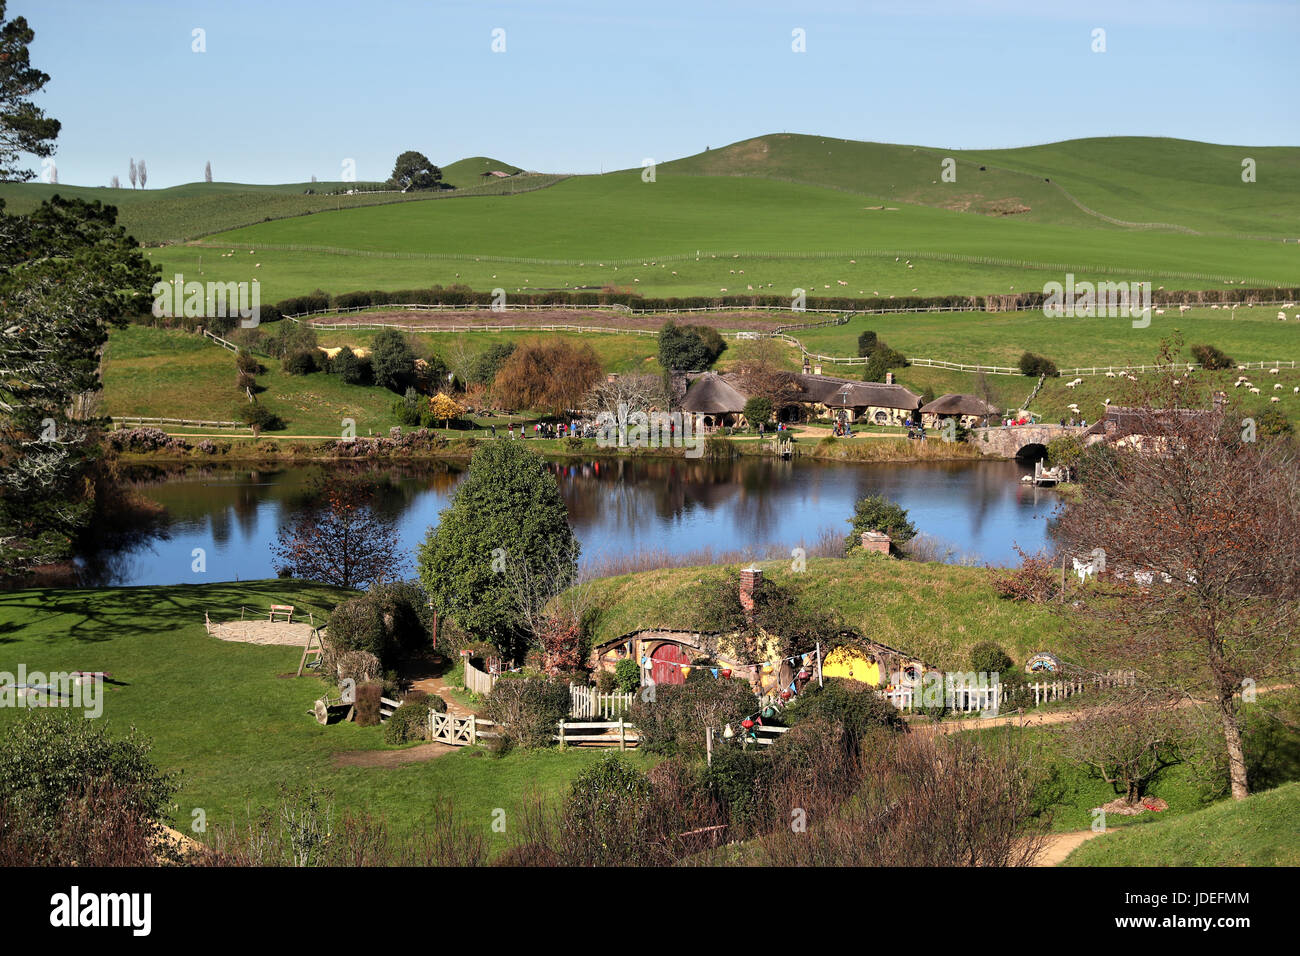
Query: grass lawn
point(1258, 831)
point(225, 714)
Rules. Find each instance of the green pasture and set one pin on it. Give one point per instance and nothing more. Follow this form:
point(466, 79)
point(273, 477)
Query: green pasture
point(233, 719)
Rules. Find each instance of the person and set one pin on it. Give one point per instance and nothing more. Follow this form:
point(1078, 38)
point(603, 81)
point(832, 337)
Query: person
point(512, 431)
point(494, 429)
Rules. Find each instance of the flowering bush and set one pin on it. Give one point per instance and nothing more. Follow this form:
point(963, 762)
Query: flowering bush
point(146, 439)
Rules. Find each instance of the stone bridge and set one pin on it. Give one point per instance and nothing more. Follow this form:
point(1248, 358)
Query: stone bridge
point(1019, 441)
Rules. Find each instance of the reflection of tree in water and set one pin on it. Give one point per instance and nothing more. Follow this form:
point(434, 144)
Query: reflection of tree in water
point(629, 494)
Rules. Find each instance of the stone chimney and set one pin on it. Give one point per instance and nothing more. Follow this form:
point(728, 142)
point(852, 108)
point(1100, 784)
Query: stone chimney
point(876, 541)
point(889, 378)
point(817, 369)
point(749, 580)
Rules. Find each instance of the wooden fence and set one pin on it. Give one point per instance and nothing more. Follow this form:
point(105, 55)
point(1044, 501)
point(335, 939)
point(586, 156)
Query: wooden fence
point(476, 681)
point(133, 421)
point(588, 703)
point(469, 730)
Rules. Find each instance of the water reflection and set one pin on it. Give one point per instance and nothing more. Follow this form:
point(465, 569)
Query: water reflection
point(616, 506)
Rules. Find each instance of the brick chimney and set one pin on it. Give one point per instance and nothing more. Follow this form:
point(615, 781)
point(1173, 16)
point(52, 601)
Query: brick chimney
point(889, 378)
point(876, 541)
point(749, 579)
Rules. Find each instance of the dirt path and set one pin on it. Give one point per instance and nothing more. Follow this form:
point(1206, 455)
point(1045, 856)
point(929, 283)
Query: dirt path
point(1060, 845)
point(390, 758)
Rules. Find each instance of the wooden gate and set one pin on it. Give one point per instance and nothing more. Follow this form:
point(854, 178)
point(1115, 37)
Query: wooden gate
point(666, 662)
point(453, 730)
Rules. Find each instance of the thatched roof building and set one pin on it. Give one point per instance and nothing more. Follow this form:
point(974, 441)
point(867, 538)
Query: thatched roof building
point(711, 395)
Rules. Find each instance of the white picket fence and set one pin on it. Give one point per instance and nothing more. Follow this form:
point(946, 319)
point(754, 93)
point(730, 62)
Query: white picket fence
point(968, 697)
point(589, 704)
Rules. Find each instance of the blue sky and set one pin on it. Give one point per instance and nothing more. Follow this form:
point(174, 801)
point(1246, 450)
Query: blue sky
point(288, 89)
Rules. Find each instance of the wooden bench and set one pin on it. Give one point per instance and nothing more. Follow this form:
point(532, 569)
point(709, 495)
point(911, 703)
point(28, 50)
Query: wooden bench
point(286, 610)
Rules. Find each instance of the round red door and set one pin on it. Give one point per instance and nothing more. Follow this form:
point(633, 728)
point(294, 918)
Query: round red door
point(666, 662)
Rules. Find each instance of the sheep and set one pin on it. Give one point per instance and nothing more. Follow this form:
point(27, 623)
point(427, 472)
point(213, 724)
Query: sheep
point(1069, 385)
point(1160, 311)
point(1254, 391)
point(1277, 387)
point(1272, 371)
point(1281, 316)
point(1296, 390)
point(1184, 308)
point(1275, 399)
point(1083, 569)
point(1110, 374)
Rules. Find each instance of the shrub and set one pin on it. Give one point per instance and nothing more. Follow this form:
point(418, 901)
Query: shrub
point(758, 410)
point(866, 343)
point(411, 720)
point(1211, 358)
point(877, 513)
point(260, 418)
point(1035, 365)
point(301, 362)
point(741, 780)
point(392, 362)
point(853, 705)
point(389, 621)
point(145, 440)
point(573, 443)
point(348, 367)
point(53, 757)
point(1035, 581)
point(674, 718)
point(527, 709)
point(627, 675)
point(367, 703)
point(361, 667)
point(606, 817)
point(606, 682)
point(987, 657)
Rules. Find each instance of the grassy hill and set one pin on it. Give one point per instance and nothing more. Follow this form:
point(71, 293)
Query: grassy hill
point(935, 611)
point(180, 213)
point(1258, 831)
point(1146, 180)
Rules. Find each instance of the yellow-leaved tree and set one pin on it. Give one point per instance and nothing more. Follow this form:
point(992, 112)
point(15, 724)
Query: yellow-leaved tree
point(445, 407)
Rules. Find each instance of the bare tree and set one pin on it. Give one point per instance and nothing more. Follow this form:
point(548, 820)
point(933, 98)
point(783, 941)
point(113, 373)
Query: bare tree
point(115, 182)
point(144, 174)
point(207, 172)
point(1128, 738)
point(1200, 529)
point(644, 393)
point(343, 540)
point(133, 173)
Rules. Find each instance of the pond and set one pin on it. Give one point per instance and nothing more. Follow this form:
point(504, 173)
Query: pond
point(977, 510)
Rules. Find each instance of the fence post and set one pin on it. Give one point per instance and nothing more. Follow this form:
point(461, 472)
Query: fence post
point(473, 729)
point(561, 732)
point(708, 745)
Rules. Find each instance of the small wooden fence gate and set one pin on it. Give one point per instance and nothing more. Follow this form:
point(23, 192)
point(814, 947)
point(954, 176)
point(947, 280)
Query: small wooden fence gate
point(457, 731)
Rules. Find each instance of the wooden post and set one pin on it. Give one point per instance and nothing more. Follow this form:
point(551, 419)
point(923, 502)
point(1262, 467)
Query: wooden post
point(622, 735)
point(819, 664)
point(473, 729)
point(708, 745)
point(561, 733)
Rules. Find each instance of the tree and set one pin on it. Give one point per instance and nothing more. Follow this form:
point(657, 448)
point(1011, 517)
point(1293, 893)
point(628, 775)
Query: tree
point(144, 173)
point(341, 538)
point(392, 362)
point(1201, 536)
point(1127, 739)
point(880, 360)
point(133, 174)
point(348, 367)
point(877, 513)
point(115, 183)
point(763, 379)
point(207, 172)
point(484, 366)
point(866, 343)
point(758, 410)
point(548, 376)
point(688, 348)
point(413, 171)
point(642, 392)
point(23, 127)
point(1033, 365)
point(66, 271)
point(446, 408)
point(506, 514)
